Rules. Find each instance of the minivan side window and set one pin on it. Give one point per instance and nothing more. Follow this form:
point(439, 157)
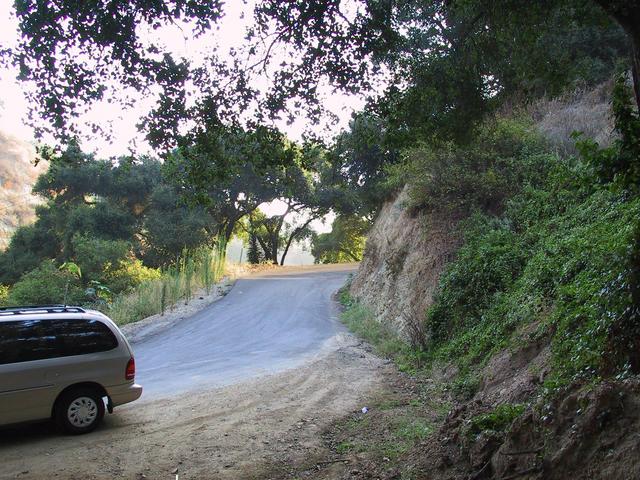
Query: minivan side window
point(79, 337)
point(27, 340)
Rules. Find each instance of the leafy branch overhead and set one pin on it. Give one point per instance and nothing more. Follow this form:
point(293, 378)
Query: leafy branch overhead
point(445, 64)
point(78, 53)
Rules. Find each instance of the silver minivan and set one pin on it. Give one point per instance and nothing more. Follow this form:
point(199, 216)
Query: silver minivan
point(64, 363)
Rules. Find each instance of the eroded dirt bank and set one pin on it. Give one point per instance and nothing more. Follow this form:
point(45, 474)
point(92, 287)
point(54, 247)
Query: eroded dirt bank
point(405, 254)
point(227, 433)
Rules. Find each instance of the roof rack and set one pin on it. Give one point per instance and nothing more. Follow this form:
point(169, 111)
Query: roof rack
point(29, 309)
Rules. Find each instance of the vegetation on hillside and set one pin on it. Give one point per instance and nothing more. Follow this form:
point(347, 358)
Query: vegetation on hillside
point(550, 226)
point(549, 240)
point(549, 249)
point(535, 321)
point(557, 258)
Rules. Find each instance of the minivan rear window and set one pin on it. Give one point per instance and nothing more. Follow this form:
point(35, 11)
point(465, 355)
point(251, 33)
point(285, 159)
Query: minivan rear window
point(39, 339)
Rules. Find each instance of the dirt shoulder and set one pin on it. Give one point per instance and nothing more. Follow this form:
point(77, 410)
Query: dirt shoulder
point(242, 431)
point(138, 331)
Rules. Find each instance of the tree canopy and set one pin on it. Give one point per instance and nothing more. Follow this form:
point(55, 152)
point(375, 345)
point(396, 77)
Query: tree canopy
point(344, 243)
point(447, 63)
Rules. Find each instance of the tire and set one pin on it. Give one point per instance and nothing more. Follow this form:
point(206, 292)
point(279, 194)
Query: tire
point(79, 410)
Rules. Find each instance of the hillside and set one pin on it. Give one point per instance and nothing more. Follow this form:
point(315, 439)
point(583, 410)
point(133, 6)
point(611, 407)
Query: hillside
point(17, 175)
point(408, 249)
point(511, 301)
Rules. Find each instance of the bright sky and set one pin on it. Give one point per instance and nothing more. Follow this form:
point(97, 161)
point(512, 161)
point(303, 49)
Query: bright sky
point(13, 104)
point(13, 108)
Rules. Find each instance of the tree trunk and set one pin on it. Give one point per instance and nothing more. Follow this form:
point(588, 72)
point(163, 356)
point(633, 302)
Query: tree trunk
point(292, 237)
point(627, 14)
point(228, 230)
point(274, 246)
point(286, 250)
point(265, 249)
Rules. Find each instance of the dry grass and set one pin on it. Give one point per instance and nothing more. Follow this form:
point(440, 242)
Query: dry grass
point(199, 270)
point(582, 110)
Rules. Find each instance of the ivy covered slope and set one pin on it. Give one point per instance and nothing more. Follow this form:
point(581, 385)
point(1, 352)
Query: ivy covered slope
point(558, 256)
point(527, 357)
point(557, 262)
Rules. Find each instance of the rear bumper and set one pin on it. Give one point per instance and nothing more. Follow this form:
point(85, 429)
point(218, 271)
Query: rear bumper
point(121, 394)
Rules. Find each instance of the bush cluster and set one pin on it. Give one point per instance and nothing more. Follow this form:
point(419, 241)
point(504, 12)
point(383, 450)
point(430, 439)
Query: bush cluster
point(556, 257)
point(505, 155)
point(498, 420)
point(46, 284)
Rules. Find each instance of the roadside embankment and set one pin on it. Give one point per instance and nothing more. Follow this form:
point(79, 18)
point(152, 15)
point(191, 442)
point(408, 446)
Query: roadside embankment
point(521, 316)
point(404, 257)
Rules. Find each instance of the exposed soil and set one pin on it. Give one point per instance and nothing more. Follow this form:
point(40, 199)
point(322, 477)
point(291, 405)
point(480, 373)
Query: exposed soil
point(405, 255)
point(309, 423)
point(416, 429)
point(231, 433)
point(400, 419)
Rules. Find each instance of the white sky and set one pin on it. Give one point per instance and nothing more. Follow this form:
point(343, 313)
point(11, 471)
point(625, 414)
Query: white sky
point(230, 33)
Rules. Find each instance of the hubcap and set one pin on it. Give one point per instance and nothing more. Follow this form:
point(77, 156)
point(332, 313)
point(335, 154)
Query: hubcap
point(82, 412)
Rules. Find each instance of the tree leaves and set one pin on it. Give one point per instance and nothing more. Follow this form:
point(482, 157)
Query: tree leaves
point(74, 54)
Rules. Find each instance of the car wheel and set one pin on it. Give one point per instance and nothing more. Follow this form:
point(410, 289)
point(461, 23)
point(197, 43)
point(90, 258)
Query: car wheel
point(79, 410)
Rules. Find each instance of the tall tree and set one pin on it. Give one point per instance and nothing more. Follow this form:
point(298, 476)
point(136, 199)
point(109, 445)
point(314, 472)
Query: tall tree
point(345, 242)
point(627, 14)
point(96, 202)
point(254, 252)
point(309, 192)
point(462, 56)
point(171, 226)
point(231, 171)
point(74, 54)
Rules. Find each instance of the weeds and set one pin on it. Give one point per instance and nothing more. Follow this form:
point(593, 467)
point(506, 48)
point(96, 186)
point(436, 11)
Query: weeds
point(498, 420)
point(403, 428)
point(344, 447)
point(195, 270)
point(413, 429)
point(388, 344)
point(465, 385)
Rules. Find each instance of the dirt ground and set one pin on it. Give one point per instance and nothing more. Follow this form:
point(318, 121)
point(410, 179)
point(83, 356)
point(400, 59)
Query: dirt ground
point(227, 433)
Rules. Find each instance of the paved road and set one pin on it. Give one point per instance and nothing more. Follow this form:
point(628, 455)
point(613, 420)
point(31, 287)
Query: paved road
point(267, 323)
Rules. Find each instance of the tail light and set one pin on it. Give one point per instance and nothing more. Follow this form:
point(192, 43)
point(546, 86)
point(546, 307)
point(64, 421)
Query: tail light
point(130, 372)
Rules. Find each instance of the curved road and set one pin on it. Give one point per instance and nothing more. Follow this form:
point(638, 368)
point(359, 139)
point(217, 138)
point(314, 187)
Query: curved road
point(266, 323)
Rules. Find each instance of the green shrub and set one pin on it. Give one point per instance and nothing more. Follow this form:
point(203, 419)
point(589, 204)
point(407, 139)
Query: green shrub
point(497, 420)
point(96, 257)
point(46, 285)
point(143, 302)
point(4, 294)
point(155, 291)
point(386, 342)
point(558, 255)
point(129, 274)
point(465, 385)
point(505, 156)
